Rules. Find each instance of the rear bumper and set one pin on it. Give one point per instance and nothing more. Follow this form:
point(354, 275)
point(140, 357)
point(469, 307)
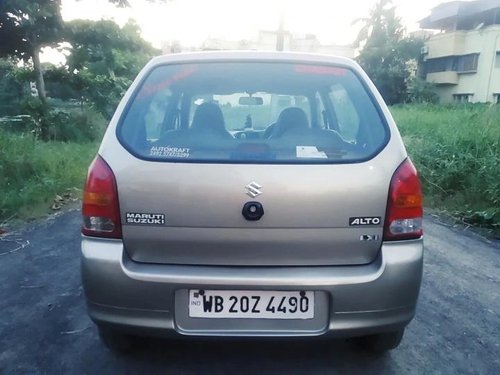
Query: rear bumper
point(152, 299)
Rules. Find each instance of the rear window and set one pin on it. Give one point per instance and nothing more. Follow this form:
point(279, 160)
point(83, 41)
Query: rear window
point(254, 112)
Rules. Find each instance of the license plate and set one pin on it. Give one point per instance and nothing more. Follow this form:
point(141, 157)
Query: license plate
point(251, 304)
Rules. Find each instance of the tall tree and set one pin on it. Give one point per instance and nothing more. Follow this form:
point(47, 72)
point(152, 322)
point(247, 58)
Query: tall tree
point(104, 58)
point(103, 47)
point(386, 51)
point(25, 28)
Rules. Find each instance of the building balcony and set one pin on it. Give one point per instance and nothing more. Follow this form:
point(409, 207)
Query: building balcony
point(443, 78)
point(447, 44)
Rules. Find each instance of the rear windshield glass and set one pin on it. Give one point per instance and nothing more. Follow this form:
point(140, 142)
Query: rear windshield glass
point(252, 113)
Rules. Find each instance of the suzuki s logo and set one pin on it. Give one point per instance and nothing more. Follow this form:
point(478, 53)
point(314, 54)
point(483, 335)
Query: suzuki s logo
point(253, 189)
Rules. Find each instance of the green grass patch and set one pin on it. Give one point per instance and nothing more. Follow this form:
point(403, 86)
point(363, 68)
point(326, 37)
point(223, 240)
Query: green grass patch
point(33, 172)
point(456, 150)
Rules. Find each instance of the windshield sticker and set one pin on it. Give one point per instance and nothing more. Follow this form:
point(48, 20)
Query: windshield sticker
point(169, 152)
point(310, 152)
point(144, 218)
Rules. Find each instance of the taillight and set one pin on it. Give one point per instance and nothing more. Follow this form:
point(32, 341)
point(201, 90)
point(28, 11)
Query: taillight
point(100, 209)
point(403, 219)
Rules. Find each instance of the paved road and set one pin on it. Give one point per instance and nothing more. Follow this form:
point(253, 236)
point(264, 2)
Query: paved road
point(44, 328)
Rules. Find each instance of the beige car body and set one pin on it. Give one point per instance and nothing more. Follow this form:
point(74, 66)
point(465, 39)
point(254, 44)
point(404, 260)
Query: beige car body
point(140, 283)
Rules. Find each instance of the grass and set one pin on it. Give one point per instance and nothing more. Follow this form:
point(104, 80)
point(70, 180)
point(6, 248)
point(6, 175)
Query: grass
point(457, 152)
point(33, 172)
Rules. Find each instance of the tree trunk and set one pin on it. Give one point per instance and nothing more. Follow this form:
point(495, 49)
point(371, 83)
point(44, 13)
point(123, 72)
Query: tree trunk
point(40, 83)
point(40, 86)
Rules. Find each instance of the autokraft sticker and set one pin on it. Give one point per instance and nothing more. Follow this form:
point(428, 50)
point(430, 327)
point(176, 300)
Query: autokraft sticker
point(364, 220)
point(145, 218)
point(170, 152)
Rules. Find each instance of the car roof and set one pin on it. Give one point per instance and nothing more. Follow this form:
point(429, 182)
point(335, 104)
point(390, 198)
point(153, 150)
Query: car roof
point(253, 56)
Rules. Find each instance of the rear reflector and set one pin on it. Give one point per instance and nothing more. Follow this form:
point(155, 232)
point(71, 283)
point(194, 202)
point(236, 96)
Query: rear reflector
point(100, 209)
point(403, 218)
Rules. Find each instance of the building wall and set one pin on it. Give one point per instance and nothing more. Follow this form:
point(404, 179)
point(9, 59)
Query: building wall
point(484, 83)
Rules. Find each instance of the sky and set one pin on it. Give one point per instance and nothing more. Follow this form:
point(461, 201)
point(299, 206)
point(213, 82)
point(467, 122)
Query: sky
point(190, 22)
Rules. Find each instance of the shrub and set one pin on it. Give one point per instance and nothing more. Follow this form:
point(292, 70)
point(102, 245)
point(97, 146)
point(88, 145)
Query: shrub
point(86, 126)
point(66, 125)
point(421, 91)
point(11, 89)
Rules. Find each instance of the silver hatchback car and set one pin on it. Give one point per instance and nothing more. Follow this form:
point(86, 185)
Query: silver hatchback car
point(252, 194)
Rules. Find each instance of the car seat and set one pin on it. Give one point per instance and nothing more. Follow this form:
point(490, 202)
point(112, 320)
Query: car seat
point(209, 120)
point(292, 121)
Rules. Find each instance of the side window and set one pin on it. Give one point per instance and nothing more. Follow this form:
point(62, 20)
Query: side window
point(347, 116)
point(155, 114)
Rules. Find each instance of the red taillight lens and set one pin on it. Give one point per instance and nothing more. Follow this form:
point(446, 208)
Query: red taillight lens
point(403, 219)
point(100, 209)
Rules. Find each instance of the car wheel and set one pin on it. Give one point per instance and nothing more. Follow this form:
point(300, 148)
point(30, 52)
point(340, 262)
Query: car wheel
point(116, 341)
point(382, 342)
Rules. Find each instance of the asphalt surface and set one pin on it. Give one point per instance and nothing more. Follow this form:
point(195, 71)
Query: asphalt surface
point(44, 328)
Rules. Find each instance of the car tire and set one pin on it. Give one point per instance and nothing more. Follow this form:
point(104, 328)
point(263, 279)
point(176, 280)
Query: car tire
point(382, 342)
point(116, 341)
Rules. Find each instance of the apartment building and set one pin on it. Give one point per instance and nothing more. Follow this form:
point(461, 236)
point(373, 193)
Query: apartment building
point(462, 58)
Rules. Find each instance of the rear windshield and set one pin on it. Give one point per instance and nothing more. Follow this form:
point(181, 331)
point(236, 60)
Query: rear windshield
point(252, 112)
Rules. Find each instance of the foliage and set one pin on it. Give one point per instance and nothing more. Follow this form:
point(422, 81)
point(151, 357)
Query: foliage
point(59, 83)
point(28, 25)
point(104, 59)
point(65, 125)
point(125, 3)
point(32, 172)
point(386, 52)
point(11, 88)
point(421, 91)
point(103, 48)
point(456, 149)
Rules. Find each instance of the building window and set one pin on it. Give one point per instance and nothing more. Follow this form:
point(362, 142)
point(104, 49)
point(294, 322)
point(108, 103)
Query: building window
point(459, 64)
point(441, 64)
point(497, 61)
point(496, 97)
point(466, 63)
point(462, 98)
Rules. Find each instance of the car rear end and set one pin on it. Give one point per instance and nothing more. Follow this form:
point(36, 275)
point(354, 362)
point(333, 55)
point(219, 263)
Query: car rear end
point(252, 194)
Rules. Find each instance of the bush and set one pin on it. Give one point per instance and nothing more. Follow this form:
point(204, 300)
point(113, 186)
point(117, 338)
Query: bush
point(65, 125)
point(32, 172)
point(87, 126)
point(421, 91)
point(456, 149)
point(11, 89)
